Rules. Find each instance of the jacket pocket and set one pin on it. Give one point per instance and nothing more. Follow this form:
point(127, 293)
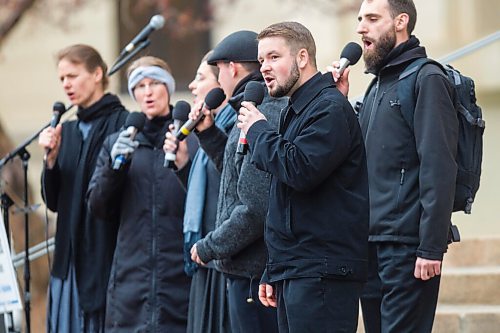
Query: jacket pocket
point(402, 173)
point(288, 213)
point(288, 219)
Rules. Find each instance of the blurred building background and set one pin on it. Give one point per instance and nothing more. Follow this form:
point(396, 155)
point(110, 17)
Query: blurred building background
point(29, 84)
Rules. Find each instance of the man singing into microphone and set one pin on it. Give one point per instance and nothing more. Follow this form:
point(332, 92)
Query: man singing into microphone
point(237, 243)
point(412, 172)
point(317, 226)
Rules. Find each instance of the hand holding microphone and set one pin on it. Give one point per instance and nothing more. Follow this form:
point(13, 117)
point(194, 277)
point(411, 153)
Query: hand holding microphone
point(248, 113)
point(214, 99)
point(180, 114)
point(50, 137)
point(125, 145)
point(349, 56)
point(254, 94)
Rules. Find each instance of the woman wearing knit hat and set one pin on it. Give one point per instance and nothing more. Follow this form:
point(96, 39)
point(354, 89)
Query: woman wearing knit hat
point(148, 290)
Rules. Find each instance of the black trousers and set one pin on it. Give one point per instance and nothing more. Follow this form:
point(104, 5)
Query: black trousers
point(317, 305)
point(248, 317)
point(393, 300)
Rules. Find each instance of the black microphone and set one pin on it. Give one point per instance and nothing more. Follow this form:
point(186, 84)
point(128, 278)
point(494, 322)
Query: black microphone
point(213, 100)
point(155, 23)
point(57, 111)
point(134, 123)
point(180, 115)
point(254, 93)
point(349, 56)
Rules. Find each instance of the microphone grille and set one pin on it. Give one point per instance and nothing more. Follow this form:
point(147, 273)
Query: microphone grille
point(157, 22)
point(352, 52)
point(181, 111)
point(59, 107)
point(214, 98)
point(135, 119)
point(254, 92)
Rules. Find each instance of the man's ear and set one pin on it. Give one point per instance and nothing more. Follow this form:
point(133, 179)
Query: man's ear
point(302, 58)
point(401, 22)
point(233, 69)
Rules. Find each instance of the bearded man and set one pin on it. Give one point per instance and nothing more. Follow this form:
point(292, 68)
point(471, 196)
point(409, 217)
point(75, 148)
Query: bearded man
point(317, 225)
point(411, 173)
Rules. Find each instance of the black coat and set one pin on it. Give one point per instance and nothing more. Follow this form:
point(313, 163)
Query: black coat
point(148, 290)
point(411, 173)
point(317, 224)
point(82, 239)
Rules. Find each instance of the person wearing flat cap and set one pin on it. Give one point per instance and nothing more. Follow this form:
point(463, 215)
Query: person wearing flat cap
point(236, 245)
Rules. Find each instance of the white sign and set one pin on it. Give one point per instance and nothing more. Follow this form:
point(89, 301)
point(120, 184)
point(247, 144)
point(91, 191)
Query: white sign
point(9, 292)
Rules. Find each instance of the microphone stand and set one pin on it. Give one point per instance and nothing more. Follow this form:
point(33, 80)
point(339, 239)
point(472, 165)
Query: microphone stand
point(6, 203)
point(25, 156)
point(123, 60)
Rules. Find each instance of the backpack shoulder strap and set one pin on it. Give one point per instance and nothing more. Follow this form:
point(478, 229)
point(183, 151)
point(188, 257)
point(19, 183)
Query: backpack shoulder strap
point(407, 82)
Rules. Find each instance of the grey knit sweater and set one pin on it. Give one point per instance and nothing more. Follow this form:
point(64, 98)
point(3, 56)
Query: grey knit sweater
point(237, 243)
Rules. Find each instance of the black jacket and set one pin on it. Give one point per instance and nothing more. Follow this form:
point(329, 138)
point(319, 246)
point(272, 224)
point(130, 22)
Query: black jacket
point(148, 290)
point(82, 239)
point(411, 173)
point(317, 224)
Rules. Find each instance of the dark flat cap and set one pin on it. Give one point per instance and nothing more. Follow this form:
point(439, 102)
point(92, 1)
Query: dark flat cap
point(240, 46)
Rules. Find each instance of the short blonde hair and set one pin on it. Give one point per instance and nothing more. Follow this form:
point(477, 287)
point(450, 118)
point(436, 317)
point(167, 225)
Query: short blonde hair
point(296, 36)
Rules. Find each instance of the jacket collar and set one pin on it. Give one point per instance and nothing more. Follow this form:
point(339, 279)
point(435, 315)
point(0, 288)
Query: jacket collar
point(239, 90)
point(309, 90)
point(403, 53)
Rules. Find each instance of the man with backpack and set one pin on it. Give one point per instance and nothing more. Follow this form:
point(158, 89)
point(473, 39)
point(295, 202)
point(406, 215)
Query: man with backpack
point(412, 171)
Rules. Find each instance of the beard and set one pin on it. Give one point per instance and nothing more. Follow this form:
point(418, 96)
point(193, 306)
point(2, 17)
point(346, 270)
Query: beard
point(385, 44)
point(284, 89)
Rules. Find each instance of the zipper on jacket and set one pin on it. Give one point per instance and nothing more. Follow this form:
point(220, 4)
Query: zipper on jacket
point(402, 172)
point(370, 118)
point(153, 254)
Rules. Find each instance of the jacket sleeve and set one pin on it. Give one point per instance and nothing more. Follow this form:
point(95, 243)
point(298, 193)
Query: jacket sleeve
point(183, 174)
point(50, 186)
point(245, 225)
point(319, 148)
point(436, 136)
point(213, 141)
point(106, 184)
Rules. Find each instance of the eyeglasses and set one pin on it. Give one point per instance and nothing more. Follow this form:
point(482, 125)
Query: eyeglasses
point(141, 87)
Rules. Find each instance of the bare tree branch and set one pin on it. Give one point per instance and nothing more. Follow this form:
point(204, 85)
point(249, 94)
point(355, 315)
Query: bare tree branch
point(12, 11)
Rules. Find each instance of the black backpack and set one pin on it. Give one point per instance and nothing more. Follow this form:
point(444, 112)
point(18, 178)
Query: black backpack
point(471, 127)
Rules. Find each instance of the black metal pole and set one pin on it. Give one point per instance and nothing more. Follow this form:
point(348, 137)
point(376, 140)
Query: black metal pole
point(25, 156)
